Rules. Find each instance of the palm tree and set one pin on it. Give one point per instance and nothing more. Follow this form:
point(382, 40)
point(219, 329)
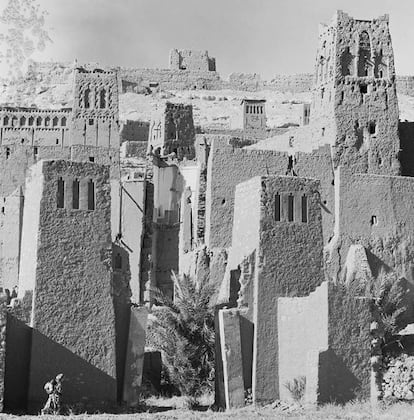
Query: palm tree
point(183, 330)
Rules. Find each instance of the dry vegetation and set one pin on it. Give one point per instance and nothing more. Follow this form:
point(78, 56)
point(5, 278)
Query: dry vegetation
point(172, 408)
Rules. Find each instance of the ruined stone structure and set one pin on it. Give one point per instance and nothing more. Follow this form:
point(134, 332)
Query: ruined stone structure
point(172, 131)
point(191, 60)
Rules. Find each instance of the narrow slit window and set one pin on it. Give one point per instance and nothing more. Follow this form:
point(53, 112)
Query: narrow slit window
point(86, 98)
point(304, 209)
point(102, 101)
point(75, 194)
point(61, 194)
point(290, 208)
point(35, 152)
point(7, 152)
point(91, 195)
point(372, 128)
point(277, 208)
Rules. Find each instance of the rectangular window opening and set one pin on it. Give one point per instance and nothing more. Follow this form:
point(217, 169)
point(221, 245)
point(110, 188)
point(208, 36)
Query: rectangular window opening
point(61, 194)
point(304, 209)
point(75, 194)
point(277, 208)
point(91, 195)
point(290, 208)
point(363, 89)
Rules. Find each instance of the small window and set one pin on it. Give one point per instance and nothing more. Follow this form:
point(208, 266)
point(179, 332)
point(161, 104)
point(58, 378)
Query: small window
point(374, 221)
point(22, 141)
point(290, 208)
point(118, 261)
point(91, 159)
point(39, 121)
point(342, 96)
point(91, 195)
point(61, 194)
point(304, 209)
point(57, 141)
point(277, 208)
point(363, 89)
point(323, 131)
point(31, 121)
point(63, 122)
point(381, 74)
point(91, 121)
point(6, 120)
point(75, 194)
point(102, 101)
point(47, 122)
point(322, 93)
point(22, 121)
point(86, 98)
point(7, 152)
point(372, 128)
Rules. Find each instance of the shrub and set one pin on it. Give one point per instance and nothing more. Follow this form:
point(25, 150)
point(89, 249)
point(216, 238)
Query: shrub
point(296, 387)
point(183, 330)
point(398, 380)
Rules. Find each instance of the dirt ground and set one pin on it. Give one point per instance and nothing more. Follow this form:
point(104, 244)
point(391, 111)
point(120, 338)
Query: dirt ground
point(172, 408)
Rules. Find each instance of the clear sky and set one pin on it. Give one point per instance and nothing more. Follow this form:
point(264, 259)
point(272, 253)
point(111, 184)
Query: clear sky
point(263, 36)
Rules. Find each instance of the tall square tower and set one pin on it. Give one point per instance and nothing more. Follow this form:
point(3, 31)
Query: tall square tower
point(355, 106)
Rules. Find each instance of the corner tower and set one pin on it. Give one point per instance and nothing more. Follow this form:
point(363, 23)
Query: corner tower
point(355, 106)
point(95, 109)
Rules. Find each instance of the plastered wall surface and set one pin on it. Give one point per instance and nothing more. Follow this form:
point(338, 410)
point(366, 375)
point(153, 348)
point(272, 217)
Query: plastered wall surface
point(73, 314)
point(369, 215)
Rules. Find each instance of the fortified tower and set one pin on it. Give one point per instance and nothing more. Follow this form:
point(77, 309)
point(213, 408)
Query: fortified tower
point(355, 106)
point(95, 115)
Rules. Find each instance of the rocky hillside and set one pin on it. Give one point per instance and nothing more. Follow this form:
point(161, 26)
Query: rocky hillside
point(212, 109)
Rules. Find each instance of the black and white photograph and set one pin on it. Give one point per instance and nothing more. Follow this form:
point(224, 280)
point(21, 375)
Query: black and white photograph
point(206, 209)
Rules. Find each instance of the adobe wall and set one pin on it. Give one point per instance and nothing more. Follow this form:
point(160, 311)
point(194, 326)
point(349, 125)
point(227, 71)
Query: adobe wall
point(134, 131)
point(3, 331)
point(191, 60)
point(79, 343)
point(354, 100)
point(168, 188)
point(345, 369)
point(11, 215)
point(134, 79)
point(302, 330)
point(325, 338)
point(229, 165)
point(375, 211)
point(167, 79)
point(290, 264)
point(133, 206)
